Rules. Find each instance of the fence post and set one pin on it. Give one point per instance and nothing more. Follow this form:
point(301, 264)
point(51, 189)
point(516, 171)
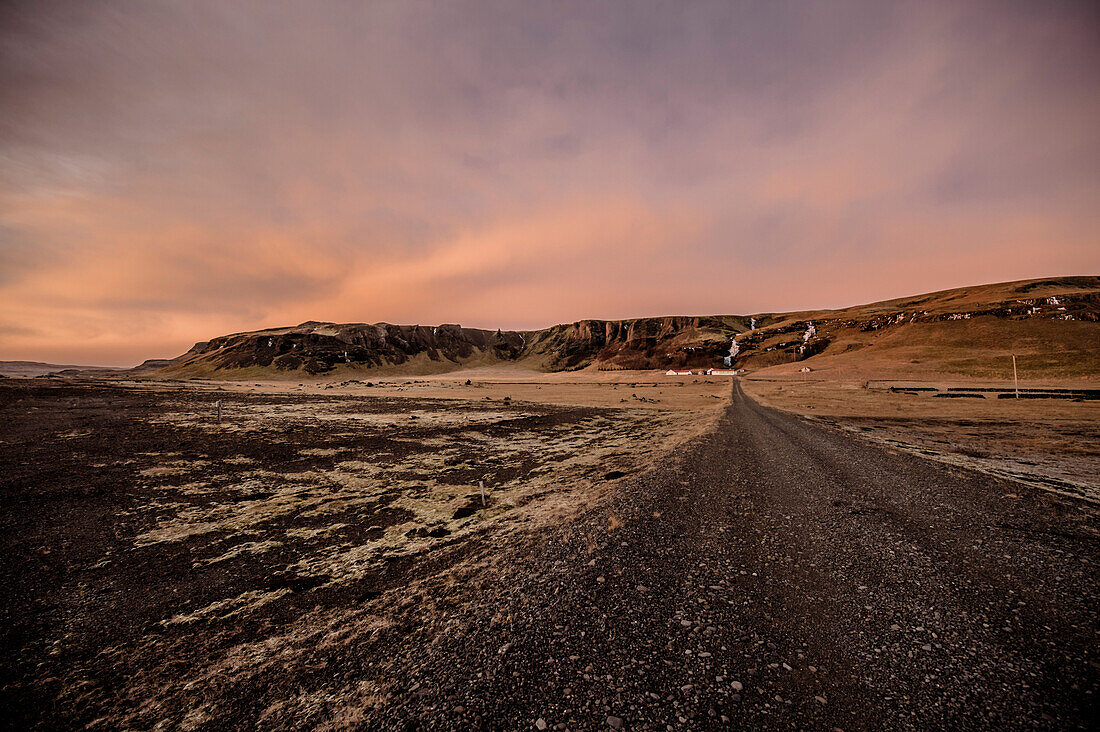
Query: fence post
point(1015, 379)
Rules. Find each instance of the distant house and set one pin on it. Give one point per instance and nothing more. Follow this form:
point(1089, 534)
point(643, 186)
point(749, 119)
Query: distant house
point(805, 369)
point(722, 372)
point(675, 372)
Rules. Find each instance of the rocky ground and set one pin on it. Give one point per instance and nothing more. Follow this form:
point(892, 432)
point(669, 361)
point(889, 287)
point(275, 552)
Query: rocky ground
point(148, 544)
point(772, 574)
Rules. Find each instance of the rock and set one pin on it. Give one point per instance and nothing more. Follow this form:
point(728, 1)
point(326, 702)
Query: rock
point(614, 722)
point(736, 685)
point(540, 723)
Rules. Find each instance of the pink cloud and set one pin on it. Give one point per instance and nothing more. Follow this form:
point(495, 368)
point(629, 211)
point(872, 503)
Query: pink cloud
point(169, 173)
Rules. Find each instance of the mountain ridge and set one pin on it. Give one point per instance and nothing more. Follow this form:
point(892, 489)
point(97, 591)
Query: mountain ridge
point(683, 341)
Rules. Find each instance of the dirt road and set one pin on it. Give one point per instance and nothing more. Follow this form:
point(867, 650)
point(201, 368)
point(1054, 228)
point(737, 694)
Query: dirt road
point(780, 575)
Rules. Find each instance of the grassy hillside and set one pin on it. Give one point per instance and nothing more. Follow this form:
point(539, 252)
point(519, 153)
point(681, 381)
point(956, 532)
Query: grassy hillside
point(979, 347)
point(1053, 326)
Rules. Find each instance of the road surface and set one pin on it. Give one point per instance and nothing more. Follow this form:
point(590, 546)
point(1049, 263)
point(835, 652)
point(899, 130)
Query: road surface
point(776, 575)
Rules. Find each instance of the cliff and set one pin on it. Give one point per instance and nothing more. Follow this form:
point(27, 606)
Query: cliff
point(641, 343)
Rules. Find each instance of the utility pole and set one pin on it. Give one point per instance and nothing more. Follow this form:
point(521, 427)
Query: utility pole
point(1015, 378)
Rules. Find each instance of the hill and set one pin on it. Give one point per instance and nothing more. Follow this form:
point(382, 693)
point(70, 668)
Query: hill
point(956, 329)
point(29, 369)
point(1054, 322)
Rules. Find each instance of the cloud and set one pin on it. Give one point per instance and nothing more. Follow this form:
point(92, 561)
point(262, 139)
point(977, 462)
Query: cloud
point(171, 172)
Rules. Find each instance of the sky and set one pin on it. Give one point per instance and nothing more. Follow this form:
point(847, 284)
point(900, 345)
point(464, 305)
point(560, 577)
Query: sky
point(173, 171)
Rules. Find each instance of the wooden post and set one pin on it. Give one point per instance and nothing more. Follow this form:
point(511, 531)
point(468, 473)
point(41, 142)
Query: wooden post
point(481, 487)
point(1015, 379)
point(219, 405)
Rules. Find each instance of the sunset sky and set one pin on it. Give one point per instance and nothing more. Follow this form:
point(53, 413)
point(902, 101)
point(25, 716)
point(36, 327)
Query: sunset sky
point(173, 171)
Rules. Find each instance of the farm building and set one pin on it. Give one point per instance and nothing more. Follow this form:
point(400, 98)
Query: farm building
point(675, 372)
point(722, 372)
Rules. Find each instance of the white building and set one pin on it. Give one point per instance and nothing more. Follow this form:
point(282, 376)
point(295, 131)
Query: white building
point(674, 372)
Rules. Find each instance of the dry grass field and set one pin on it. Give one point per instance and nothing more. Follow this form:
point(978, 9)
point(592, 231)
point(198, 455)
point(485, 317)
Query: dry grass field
point(1051, 443)
point(143, 536)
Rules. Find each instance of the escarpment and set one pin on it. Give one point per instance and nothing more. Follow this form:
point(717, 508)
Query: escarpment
point(692, 342)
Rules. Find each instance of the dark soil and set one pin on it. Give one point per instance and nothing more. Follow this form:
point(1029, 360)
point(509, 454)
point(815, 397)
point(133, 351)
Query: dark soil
point(83, 608)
